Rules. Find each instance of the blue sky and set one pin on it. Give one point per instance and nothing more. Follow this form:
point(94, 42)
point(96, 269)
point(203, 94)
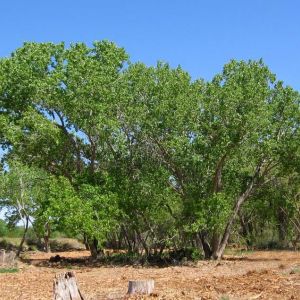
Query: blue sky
point(199, 35)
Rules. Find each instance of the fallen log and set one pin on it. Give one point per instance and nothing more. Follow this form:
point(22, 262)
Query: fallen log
point(65, 287)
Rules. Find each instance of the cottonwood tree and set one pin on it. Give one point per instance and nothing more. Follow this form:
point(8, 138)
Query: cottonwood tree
point(142, 144)
point(60, 117)
point(20, 191)
point(220, 141)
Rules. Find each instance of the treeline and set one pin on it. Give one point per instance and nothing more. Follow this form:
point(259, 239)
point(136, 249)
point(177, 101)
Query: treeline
point(145, 158)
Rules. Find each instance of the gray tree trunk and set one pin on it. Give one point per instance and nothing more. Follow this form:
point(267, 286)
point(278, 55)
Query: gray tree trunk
point(240, 200)
point(23, 237)
point(47, 238)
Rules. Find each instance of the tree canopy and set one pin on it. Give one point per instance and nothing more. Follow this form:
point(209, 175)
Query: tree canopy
point(145, 157)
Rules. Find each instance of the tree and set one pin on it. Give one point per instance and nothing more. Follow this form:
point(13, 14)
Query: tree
point(85, 211)
point(220, 141)
point(20, 189)
point(61, 116)
point(146, 153)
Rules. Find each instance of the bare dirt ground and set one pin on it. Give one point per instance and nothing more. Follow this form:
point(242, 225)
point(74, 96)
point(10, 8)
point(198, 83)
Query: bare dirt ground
point(256, 275)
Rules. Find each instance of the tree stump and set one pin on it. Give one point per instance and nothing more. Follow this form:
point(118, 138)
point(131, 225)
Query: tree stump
point(7, 258)
point(65, 287)
point(140, 287)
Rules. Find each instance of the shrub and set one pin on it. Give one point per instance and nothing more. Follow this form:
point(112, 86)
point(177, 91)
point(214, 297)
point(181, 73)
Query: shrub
point(3, 228)
point(4, 244)
point(65, 244)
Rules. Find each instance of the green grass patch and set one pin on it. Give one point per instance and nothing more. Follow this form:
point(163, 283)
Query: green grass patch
point(8, 270)
point(225, 297)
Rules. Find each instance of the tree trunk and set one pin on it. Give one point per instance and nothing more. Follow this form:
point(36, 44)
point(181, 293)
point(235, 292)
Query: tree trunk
point(86, 242)
point(161, 249)
point(140, 287)
point(47, 244)
point(47, 238)
point(94, 248)
point(282, 227)
point(205, 245)
point(143, 242)
point(240, 200)
point(219, 253)
point(247, 228)
point(217, 187)
point(65, 287)
point(127, 239)
point(215, 243)
point(23, 237)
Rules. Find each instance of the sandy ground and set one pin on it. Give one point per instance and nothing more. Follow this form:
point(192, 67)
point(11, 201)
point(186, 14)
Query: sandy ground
point(256, 275)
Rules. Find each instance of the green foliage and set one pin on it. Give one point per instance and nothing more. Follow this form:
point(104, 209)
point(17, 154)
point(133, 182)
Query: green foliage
point(3, 228)
point(212, 213)
point(20, 191)
point(4, 244)
point(142, 156)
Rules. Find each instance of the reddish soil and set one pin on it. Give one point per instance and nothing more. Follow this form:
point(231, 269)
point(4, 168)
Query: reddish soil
point(256, 275)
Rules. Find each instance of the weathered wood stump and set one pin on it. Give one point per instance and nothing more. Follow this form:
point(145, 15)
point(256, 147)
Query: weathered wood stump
point(140, 287)
point(7, 258)
point(65, 287)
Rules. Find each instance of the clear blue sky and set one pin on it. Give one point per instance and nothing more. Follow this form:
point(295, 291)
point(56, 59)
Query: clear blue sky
point(199, 35)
